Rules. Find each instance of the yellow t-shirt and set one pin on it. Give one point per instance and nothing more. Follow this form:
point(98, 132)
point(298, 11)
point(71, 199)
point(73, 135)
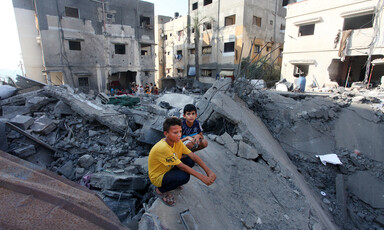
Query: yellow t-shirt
point(162, 158)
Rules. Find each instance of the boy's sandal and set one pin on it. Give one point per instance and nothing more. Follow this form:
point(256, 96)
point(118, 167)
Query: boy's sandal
point(166, 198)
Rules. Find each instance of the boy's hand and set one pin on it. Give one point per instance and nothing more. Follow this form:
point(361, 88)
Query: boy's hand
point(212, 175)
point(208, 180)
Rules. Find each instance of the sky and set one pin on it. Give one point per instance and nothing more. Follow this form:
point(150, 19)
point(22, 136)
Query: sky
point(10, 53)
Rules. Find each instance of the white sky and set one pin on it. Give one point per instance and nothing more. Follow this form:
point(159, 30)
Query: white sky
point(10, 54)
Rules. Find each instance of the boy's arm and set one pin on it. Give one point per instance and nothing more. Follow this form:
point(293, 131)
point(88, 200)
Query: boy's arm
point(201, 163)
point(187, 138)
point(208, 180)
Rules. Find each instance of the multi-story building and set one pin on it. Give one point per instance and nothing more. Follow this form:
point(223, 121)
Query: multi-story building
point(329, 40)
point(229, 31)
point(90, 44)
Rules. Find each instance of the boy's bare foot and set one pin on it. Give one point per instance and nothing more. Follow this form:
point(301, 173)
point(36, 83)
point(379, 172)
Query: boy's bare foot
point(167, 198)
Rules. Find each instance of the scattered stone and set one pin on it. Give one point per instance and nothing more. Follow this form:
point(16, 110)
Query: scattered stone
point(80, 170)
point(143, 164)
point(165, 105)
point(358, 99)
point(67, 169)
point(237, 137)
point(12, 111)
point(62, 109)
point(118, 171)
point(25, 151)
point(43, 125)
point(326, 201)
point(23, 122)
point(119, 182)
point(86, 161)
point(92, 133)
point(247, 152)
point(380, 218)
point(156, 109)
point(229, 143)
point(212, 136)
point(114, 138)
point(35, 103)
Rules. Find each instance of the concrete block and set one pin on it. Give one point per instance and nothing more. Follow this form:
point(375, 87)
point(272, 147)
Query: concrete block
point(229, 143)
point(23, 122)
point(143, 164)
point(150, 136)
point(247, 152)
point(86, 161)
point(62, 109)
point(43, 125)
point(12, 111)
point(367, 188)
point(67, 170)
point(157, 110)
point(3, 138)
point(175, 100)
point(35, 103)
point(119, 182)
point(25, 151)
point(92, 133)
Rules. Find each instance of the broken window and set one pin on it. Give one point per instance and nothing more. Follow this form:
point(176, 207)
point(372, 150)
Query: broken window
point(230, 20)
point(83, 81)
point(145, 50)
point(207, 26)
point(206, 2)
point(192, 51)
point(179, 52)
point(359, 22)
point(71, 12)
point(300, 70)
point(271, 22)
point(109, 16)
point(119, 48)
point(206, 73)
point(207, 50)
point(256, 49)
point(145, 21)
point(285, 2)
point(229, 47)
point(257, 21)
point(269, 49)
point(194, 6)
point(193, 30)
point(282, 28)
point(74, 45)
point(180, 71)
point(306, 30)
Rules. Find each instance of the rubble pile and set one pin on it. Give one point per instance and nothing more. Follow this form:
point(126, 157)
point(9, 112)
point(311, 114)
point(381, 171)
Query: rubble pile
point(349, 123)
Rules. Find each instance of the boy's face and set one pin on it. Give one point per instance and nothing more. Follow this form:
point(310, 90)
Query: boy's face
point(173, 134)
point(190, 117)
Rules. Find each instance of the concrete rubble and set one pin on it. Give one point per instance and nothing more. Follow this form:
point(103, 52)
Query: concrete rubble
point(262, 146)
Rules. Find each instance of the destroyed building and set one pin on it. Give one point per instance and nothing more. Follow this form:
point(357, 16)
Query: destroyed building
point(334, 42)
point(228, 30)
point(92, 45)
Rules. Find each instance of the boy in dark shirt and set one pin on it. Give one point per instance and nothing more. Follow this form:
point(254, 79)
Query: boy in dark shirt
point(192, 132)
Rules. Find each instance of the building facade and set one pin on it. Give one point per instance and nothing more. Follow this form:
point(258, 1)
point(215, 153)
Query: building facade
point(87, 43)
point(334, 41)
point(229, 31)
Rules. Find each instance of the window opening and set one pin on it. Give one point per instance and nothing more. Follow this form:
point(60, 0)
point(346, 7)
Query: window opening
point(74, 45)
point(206, 73)
point(119, 48)
point(207, 50)
point(229, 47)
point(207, 26)
point(206, 2)
point(230, 20)
point(256, 49)
point(194, 6)
point(257, 21)
point(359, 22)
point(71, 12)
point(306, 30)
point(300, 70)
point(83, 81)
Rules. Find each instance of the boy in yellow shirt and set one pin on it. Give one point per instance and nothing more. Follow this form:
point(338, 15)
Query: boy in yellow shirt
point(170, 163)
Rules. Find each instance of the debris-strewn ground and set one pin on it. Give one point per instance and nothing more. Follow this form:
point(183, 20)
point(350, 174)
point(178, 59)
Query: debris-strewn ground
point(105, 148)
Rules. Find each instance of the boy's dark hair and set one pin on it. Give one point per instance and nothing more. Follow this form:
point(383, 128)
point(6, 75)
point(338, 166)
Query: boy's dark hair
point(170, 121)
point(189, 108)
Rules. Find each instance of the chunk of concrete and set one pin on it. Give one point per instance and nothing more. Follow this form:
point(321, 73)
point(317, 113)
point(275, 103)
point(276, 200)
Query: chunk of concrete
point(86, 161)
point(157, 110)
point(6, 91)
point(175, 100)
point(92, 133)
point(281, 87)
point(367, 188)
point(35, 103)
point(12, 111)
point(3, 138)
point(143, 164)
point(25, 151)
point(62, 109)
point(229, 143)
point(119, 182)
point(67, 170)
point(150, 136)
point(23, 122)
point(247, 152)
point(43, 125)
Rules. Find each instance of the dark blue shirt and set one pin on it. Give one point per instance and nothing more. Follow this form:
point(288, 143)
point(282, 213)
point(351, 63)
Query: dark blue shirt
point(190, 131)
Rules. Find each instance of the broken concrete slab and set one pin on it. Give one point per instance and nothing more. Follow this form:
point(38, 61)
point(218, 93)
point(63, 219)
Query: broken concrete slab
point(12, 111)
point(157, 110)
point(86, 161)
point(175, 100)
point(23, 122)
point(35, 103)
point(119, 182)
point(43, 125)
point(367, 188)
point(229, 143)
point(247, 152)
point(88, 109)
point(3, 138)
point(67, 169)
point(143, 164)
point(62, 109)
point(25, 151)
point(149, 135)
point(6, 91)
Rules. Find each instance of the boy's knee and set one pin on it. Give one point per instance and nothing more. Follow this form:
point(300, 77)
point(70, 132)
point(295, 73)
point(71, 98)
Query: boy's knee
point(204, 143)
point(189, 145)
point(185, 178)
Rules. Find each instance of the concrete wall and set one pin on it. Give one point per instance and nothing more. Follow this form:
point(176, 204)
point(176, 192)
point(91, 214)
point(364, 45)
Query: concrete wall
point(98, 29)
point(319, 48)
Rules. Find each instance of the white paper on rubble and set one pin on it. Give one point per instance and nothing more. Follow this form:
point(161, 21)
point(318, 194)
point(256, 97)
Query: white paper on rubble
point(329, 158)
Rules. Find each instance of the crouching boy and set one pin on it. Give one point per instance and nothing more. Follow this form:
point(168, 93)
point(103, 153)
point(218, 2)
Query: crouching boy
point(168, 169)
point(192, 132)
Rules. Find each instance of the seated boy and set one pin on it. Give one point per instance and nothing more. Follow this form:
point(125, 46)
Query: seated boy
point(167, 169)
point(192, 131)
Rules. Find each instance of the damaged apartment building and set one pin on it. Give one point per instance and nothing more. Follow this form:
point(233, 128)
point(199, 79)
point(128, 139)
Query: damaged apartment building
point(89, 44)
point(229, 31)
point(334, 42)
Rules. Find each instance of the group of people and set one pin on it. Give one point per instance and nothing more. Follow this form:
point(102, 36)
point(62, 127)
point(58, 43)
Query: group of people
point(171, 160)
